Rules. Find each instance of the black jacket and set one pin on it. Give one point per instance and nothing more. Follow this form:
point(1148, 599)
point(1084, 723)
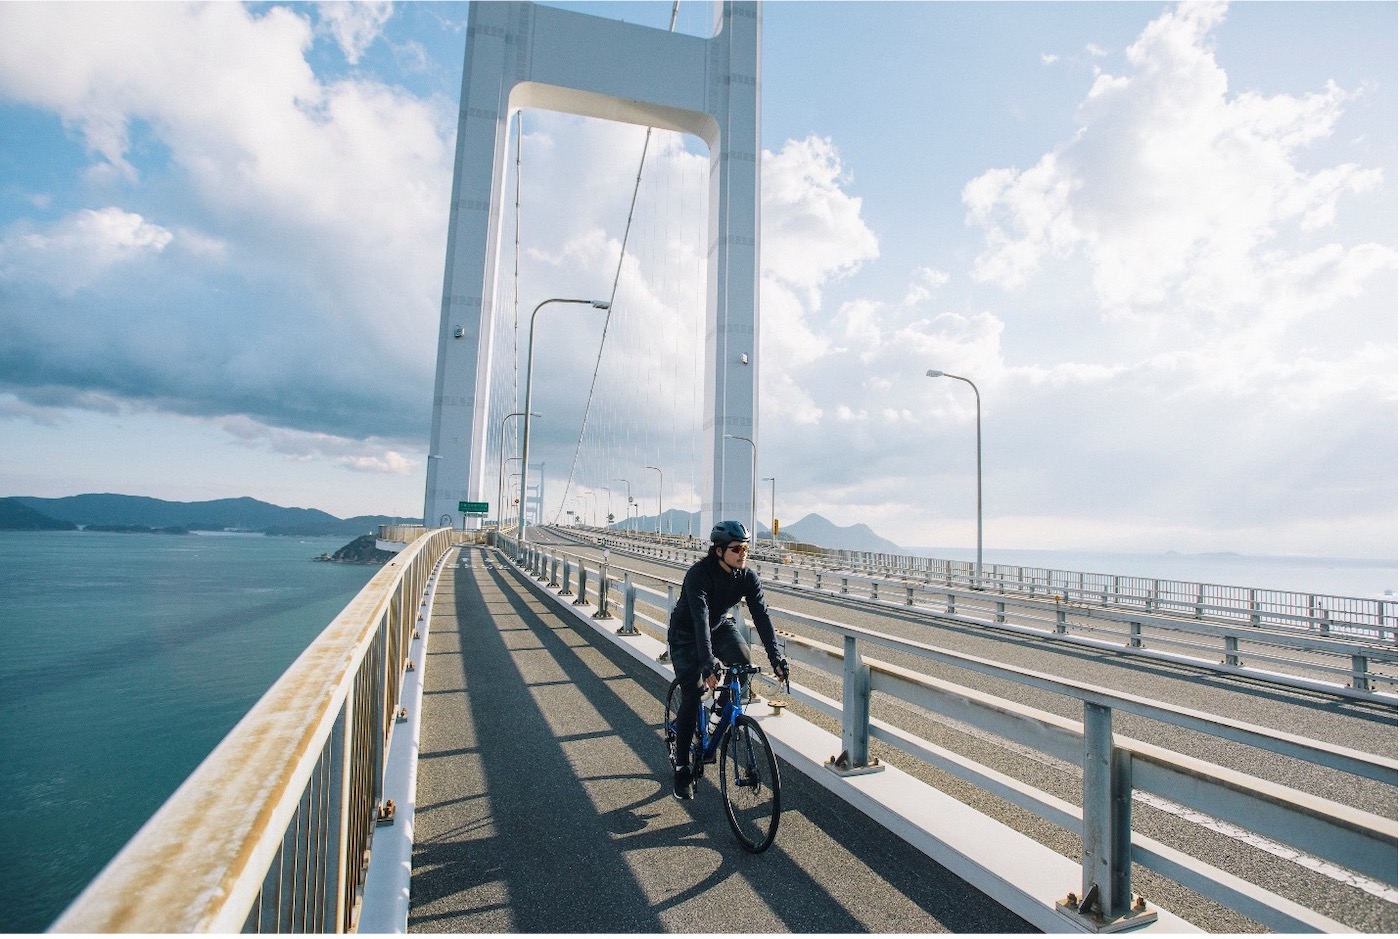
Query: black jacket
point(707, 593)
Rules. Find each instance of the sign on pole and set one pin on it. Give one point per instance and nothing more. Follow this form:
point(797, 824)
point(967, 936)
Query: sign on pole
point(473, 508)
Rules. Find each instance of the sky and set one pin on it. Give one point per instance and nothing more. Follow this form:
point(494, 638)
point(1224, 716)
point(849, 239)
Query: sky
point(1160, 239)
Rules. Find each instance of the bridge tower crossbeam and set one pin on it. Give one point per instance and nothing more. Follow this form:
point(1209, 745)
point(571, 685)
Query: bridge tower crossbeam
point(521, 55)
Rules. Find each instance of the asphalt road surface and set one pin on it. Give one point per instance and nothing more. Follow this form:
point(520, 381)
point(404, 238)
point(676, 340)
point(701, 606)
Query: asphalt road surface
point(544, 801)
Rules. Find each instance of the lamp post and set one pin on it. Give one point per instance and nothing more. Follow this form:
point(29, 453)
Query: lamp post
point(773, 504)
point(628, 523)
point(935, 373)
point(661, 481)
point(753, 481)
point(529, 389)
point(608, 517)
point(501, 471)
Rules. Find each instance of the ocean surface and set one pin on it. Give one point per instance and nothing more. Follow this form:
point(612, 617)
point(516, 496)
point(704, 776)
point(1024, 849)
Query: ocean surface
point(127, 658)
point(1340, 577)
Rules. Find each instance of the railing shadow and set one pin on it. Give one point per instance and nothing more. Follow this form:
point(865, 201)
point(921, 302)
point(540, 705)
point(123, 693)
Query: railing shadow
point(571, 826)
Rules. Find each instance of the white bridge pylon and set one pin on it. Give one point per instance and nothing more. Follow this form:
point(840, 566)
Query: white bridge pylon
point(522, 55)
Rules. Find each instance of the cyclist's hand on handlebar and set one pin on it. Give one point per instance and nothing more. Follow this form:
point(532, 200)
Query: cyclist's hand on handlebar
point(780, 668)
point(711, 674)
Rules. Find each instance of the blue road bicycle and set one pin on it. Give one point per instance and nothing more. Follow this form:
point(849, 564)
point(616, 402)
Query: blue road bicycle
point(748, 771)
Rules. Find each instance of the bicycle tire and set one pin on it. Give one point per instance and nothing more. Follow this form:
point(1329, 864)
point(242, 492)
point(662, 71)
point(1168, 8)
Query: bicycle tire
point(750, 784)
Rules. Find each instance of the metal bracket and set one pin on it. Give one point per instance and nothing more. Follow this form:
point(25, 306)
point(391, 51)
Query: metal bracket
point(1088, 914)
point(841, 766)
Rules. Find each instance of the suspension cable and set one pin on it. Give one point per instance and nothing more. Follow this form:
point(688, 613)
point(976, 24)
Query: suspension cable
point(612, 297)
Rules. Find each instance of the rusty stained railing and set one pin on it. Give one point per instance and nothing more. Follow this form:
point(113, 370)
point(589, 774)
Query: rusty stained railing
point(272, 832)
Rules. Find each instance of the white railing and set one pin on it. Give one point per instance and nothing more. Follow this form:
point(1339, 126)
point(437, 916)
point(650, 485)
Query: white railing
point(1321, 614)
point(1113, 767)
point(272, 832)
point(1353, 662)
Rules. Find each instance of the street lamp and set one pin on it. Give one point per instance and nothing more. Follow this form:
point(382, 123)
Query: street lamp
point(659, 483)
point(500, 473)
point(529, 389)
point(608, 517)
point(753, 481)
point(935, 373)
point(773, 504)
point(628, 523)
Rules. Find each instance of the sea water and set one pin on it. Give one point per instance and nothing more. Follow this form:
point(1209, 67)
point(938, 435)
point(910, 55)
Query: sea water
point(1371, 578)
point(126, 659)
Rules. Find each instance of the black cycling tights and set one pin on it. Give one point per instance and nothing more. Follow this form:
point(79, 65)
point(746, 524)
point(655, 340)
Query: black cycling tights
point(730, 649)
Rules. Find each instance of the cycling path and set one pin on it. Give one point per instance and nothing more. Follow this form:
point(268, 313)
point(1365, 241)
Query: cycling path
point(542, 803)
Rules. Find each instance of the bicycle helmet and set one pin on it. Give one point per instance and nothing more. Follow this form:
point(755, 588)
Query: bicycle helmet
point(726, 532)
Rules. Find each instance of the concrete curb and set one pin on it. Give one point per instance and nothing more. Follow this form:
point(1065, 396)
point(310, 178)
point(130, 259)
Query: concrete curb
point(384, 910)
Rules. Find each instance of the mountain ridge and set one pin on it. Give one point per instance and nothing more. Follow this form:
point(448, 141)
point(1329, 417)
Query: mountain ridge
point(243, 513)
point(810, 529)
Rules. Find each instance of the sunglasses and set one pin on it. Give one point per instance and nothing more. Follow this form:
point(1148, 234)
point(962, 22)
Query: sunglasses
point(738, 548)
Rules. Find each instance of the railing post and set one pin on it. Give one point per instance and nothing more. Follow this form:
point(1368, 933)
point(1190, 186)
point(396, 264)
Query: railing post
point(553, 570)
point(568, 575)
point(582, 597)
point(1232, 651)
point(1106, 885)
point(1135, 635)
point(629, 607)
point(855, 756)
point(909, 595)
point(952, 605)
point(1360, 679)
point(603, 593)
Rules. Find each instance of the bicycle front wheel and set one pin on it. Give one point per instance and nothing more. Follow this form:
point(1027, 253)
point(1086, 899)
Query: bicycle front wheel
point(749, 782)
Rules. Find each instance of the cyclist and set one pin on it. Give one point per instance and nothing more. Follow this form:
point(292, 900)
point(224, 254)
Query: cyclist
point(703, 639)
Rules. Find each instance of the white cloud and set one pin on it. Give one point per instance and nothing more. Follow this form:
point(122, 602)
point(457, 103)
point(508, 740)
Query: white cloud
point(354, 25)
point(76, 250)
point(267, 163)
point(812, 230)
point(1175, 192)
point(363, 456)
point(925, 282)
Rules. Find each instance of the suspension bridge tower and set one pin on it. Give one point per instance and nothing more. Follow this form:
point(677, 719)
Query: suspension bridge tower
point(522, 55)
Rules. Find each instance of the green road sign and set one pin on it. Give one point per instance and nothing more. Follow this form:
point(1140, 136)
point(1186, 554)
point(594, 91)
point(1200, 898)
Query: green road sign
point(473, 508)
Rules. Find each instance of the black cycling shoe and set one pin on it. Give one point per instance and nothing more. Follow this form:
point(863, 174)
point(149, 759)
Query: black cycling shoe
point(684, 785)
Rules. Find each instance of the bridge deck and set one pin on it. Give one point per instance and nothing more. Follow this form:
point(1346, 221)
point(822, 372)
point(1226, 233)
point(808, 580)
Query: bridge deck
point(542, 802)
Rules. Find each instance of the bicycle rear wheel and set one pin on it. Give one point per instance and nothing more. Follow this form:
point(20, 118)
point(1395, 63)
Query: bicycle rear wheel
point(749, 782)
point(668, 723)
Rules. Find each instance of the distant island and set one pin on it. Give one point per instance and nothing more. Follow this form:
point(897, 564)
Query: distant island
point(360, 551)
point(108, 512)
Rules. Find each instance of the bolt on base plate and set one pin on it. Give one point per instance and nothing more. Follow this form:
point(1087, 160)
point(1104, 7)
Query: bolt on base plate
point(1088, 915)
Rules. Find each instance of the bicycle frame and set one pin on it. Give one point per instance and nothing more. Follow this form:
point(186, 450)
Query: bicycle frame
point(709, 742)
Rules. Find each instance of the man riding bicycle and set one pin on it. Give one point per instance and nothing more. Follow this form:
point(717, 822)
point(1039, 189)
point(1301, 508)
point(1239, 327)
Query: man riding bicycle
point(703, 639)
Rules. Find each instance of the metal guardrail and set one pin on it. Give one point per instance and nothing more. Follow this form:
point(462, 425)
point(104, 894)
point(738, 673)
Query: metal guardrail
point(1323, 614)
point(1113, 767)
point(272, 832)
point(1353, 662)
